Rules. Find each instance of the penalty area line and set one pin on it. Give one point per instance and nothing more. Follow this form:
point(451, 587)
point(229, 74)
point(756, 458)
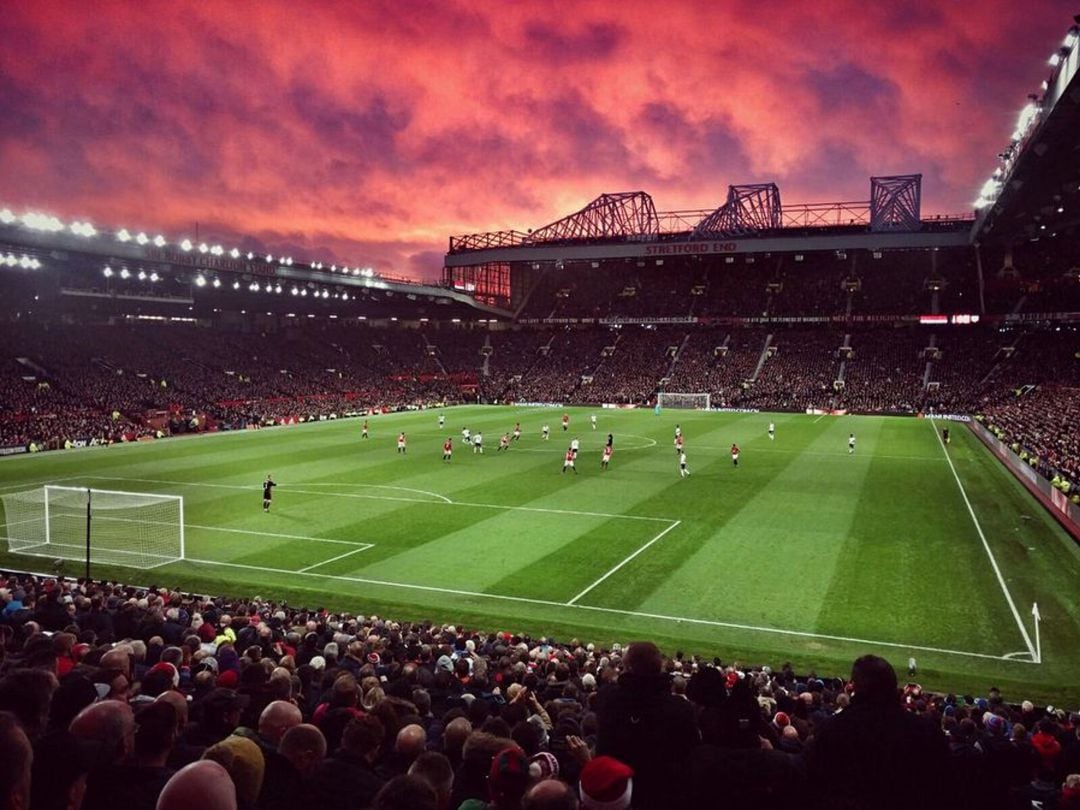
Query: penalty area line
point(361, 547)
point(625, 561)
point(610, 611)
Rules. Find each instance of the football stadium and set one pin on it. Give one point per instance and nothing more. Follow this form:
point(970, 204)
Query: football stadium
point(748, 504)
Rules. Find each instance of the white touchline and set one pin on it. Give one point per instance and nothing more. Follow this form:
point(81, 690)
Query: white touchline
point(362, 547)
point(614, 611)
point(625, 561)
point(986, 545)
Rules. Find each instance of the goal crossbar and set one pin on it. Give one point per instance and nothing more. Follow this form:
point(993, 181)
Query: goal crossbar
point(132, 529)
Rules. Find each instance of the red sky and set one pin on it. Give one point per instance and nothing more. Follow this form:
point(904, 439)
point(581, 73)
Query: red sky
point(367, 133)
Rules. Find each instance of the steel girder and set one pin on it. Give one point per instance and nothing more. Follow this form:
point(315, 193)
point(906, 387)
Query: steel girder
point(629, 214)
point(749, 209)
point(895, 203)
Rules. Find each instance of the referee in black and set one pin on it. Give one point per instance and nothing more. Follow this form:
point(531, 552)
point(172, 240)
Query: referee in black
point(268, 492)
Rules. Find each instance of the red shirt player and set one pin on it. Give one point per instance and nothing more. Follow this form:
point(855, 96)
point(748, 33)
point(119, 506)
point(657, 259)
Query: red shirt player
point(568, 461)
point(504, 442)
point(363, 430)
point(401, 442)
point(447, 449)
point(735, 454)
point(679, 443)
point(566, 421)
point(606, 458)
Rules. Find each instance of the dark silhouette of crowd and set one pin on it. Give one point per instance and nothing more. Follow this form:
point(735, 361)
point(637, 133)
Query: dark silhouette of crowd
point(114, 696)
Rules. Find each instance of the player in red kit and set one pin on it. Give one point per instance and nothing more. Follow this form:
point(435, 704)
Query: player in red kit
point(568, 461)
point(606, 458)
point(566, 421)
point(678, 444)
point(735, 454)
point(447, 449)
point(517, 431)
point(504, 442)
point(401, 442)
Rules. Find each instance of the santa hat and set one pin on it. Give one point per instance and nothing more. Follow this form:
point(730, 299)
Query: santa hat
point(168, 669)
point(606, 784)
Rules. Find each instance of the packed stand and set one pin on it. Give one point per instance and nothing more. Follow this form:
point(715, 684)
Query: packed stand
point(113, 696)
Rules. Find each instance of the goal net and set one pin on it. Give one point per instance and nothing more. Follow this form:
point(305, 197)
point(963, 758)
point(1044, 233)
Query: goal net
point(691, 401)
point(133, 529)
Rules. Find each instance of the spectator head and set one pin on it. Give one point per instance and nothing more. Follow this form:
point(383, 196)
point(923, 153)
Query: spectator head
point(243, 759)
point(434, 768)
point(221, 708)
point(277, 718)
point(411, 742)
point(16, 759)
point(874, 681)
point(508, 778)
point(109, 723)
point(606, 784)
point(455, 734)
point(304, 746)
point(405, 792)
point(179, 704)
point(363, 737)
point(62, 763)
point(26, 694)
point(550, 794)
point(74, 694)
point(204, 785)
point(642, 658)
point(155, 733)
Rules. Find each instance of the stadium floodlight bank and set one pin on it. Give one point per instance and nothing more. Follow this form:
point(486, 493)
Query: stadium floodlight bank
point(698, 402)
point(132, 529)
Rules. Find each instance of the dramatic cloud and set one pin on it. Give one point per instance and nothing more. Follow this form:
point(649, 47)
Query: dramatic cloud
point(370, 132)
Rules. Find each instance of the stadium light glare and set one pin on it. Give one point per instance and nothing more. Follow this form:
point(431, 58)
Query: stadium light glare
point(200, 281)
point(253, 287)
point(236, 285)
point(277, 289)
point(303, 293)
point(24, 262)
point(159, 241)
point(107, 272)
point(217, 283)
point(154, 276)
point(269, 288)
point(41, 222)
point(124, 274)
point(6, 216)
point(333, 268)
point(142, 275)
point(203, 247)
point(1055, 60)
point(141, 238)
point(294, 291)
point(234, 253)
point(123, 235)
point(217, 250)
point(1070, 40)
point(185, 245)
point(250, 256)
point(344, 296)
point(269, 258)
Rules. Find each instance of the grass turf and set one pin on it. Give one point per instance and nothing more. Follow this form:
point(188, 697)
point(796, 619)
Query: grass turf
point(804, 553)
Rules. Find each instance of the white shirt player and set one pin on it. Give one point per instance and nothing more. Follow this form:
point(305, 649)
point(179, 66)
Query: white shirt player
point(478, 442)
point(592, 418)
point(442, 420)
point(546, 430)
point(678, 431)
point(466, 436)
point(772, 430)
point(575, 445)
point(851, 444)
point(683, 472)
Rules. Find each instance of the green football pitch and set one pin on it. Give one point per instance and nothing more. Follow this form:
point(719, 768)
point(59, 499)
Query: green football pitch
point(803, 553)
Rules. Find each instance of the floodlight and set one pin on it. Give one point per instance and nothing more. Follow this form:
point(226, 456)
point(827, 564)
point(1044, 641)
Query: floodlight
point(141, 238)
point(6, 216)
point(269, 258)
point(123, 235)
point(268, 288)
point(142, 275)
point(236, 285)
point(344, 296)
point(234, 253)
point(303, 293)
point(277, 289)
point(1055, 60)
point(250, 255)
point(124, 273)
point(217, 250)
point(154, 276)
point(217, 283)
point(185, 245)
point(203, 248)
point(253, 287)
point(200, 281)
point(24, 262)
point(294, 291)
point(107, 272)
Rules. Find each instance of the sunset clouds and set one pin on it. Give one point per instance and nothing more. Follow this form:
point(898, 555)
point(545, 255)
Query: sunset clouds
point(370, 132)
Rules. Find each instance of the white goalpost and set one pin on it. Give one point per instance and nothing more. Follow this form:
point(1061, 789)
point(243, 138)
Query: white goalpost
point(132, 529)
point(690, 401)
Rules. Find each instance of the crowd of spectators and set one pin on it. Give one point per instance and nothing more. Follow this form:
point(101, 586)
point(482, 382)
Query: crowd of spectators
point(114, 696)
